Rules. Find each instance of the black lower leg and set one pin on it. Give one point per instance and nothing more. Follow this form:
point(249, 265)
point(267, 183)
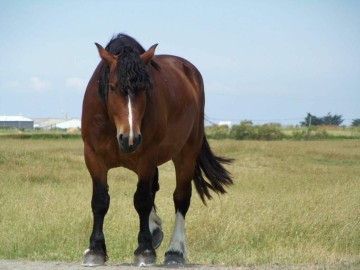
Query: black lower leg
point(155, 185)
point(143, 202)
point(182, 200)
point(100, 204)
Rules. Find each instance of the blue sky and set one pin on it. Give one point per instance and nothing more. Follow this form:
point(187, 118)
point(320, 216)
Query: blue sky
point(266, 61)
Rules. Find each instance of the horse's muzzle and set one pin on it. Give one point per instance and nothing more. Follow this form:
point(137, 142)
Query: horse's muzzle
point(127, 144)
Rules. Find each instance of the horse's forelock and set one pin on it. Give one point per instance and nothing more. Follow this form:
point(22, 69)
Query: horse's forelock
point(132, 73)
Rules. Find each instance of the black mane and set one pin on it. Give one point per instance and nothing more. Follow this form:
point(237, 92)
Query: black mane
point(131, 71)
point(119, 41)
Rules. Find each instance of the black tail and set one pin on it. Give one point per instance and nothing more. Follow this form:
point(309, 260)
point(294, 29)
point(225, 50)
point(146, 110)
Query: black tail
point(211, 166)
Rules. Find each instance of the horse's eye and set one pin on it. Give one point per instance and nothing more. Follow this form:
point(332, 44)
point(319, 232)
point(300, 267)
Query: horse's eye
point(112, 87)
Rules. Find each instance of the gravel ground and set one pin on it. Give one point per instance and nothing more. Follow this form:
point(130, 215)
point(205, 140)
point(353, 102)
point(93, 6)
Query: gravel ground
point(30, 265)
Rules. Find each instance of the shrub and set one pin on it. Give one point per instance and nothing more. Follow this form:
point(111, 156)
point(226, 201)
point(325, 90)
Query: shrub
point(299, 134)
point(311, 134)
point(217, 132)
point(270, 132)
point(244, 131)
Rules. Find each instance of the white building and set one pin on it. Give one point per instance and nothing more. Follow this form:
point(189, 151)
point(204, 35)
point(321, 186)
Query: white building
point(225, 123)
point(16, 122)
point(51, 123)
point(73, 123)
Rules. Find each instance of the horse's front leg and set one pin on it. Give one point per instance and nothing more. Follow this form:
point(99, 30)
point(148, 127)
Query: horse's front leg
point(96, 253)
point(143, 202)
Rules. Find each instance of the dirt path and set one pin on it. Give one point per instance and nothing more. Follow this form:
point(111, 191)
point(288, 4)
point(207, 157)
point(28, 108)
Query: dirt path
point(30, 265)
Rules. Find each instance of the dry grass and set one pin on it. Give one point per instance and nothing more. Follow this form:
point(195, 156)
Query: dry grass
point(292, 203)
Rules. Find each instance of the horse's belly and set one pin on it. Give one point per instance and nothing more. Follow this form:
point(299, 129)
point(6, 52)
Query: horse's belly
point(175, 139)
point(167, 152)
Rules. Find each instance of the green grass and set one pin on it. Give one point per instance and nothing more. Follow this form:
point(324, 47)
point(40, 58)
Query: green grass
point(39, 134)
point(293, 202)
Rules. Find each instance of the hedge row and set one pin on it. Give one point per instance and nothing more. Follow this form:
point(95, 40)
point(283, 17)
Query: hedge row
point(269, 132)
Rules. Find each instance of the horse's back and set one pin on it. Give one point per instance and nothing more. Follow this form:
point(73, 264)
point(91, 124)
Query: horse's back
point(183, 69)
point(180, 86)
point(180, 81)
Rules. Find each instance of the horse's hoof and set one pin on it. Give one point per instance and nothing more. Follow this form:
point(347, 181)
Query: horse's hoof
point(93, 259)
point(157, 238)
point(146, 258)
point(174, 258)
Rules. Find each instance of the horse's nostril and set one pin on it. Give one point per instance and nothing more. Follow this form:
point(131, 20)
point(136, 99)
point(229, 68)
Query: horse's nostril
point(121, 138)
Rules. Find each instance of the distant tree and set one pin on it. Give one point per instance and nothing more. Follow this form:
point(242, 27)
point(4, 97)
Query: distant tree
point(356, 123)
point(332, 120)
point(311, 120)
point(328, 120)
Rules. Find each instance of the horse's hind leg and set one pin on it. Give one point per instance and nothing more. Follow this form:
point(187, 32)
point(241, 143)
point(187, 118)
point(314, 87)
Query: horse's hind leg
point(176, 253)
point(154, 219)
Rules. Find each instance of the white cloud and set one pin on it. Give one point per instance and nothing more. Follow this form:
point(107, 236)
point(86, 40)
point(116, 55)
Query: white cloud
point(39, 84)
point(75, 83)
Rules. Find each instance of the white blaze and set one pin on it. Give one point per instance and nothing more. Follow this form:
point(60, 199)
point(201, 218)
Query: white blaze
point(130, 118)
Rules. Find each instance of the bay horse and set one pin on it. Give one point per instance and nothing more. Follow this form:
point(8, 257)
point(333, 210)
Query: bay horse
point(141, 110)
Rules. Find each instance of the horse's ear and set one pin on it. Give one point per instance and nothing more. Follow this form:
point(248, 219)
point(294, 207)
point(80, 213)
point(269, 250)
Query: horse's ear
point(148, 55)
point(105, 55)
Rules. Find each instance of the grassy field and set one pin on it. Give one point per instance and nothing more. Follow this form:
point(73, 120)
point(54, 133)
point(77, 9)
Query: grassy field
point(293, 202)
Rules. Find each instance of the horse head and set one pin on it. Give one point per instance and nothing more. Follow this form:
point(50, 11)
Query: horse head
point(128, 81)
